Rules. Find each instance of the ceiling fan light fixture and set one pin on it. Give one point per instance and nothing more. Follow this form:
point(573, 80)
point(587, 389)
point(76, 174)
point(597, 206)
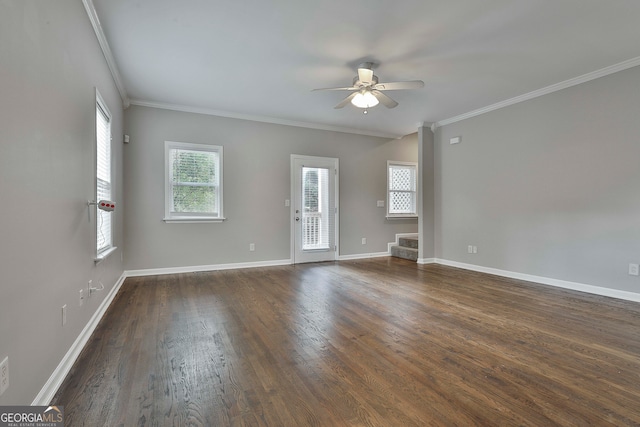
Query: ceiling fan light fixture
point(365, 99)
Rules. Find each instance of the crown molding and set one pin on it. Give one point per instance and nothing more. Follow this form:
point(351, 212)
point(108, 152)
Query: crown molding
point(621, 66)
point(106, 50)
point(262, 119)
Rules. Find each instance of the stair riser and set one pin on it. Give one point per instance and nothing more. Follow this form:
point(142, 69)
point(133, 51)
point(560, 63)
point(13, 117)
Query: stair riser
point(408, 242)
point(405, 253)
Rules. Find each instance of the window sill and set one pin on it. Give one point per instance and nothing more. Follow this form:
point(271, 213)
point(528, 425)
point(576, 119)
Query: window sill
point(188, 220)
point(104, 254)
point(402, 216)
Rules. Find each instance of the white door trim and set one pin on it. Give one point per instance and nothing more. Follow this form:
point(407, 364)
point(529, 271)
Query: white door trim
point(336, 161)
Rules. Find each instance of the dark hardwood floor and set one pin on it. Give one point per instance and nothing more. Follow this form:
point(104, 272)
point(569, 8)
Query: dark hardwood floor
point(378, 342)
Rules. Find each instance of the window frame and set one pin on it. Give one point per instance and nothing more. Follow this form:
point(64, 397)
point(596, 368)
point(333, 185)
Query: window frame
point(102, 252)
point(400, 164)
point(186, 217)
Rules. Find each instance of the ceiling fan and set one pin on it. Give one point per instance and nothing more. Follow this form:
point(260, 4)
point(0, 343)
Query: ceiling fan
point(367, 91)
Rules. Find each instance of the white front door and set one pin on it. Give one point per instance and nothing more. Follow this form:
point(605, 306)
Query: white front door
point(315, 209)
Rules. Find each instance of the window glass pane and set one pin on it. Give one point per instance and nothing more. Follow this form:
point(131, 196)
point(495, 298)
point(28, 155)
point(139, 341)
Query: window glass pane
point(315, 208)
point(401, 178)
point(104, 238)
point(103, 134)
point(194, 166)
point(194, 199)
point(401, 202)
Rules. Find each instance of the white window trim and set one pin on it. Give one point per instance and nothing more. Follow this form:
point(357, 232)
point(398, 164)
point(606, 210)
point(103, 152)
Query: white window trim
point(186, 218)
point(401, 215)
point(101, 255)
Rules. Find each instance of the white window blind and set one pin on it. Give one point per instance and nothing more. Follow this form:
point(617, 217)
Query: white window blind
point(315, 208)
point(193, 181)
point(104, 239)
point(402, 189)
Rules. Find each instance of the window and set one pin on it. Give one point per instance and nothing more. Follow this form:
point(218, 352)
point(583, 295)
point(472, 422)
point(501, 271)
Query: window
point(193, 182)
point(401, 189)
point(104, 220)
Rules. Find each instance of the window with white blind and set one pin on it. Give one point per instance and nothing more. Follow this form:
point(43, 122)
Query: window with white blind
point(104, 220)
point(402, 189)
point(193, 182)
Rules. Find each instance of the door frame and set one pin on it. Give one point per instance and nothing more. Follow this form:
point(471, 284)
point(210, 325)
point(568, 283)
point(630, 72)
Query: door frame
point(336, 195)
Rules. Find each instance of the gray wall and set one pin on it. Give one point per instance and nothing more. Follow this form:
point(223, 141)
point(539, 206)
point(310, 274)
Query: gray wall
point(50, 64)
point(426, 227)
point(548, 187)
point(256, 184)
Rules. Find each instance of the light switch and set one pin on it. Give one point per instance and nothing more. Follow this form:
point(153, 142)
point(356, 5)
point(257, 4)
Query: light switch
point(380, 203)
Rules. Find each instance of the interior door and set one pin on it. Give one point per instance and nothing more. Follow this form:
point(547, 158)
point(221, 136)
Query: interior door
point(315, 209)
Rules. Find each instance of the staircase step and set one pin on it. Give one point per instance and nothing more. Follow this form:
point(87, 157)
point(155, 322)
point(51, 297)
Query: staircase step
point(404, 252)
point(408, 242)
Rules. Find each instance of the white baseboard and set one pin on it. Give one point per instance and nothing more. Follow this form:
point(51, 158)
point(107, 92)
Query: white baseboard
point(426, 261)
point(597, 290)
point(212, 267)
point(362, 256)
point(59, 374)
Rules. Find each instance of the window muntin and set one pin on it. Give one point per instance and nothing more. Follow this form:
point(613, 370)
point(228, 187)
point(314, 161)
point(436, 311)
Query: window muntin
point(401, 189)
point(193, 189)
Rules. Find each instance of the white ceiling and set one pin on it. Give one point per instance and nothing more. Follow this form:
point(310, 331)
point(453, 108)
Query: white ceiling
point(260, 59)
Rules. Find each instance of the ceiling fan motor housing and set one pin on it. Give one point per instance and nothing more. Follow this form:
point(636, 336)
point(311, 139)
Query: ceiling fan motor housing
point(358, 83)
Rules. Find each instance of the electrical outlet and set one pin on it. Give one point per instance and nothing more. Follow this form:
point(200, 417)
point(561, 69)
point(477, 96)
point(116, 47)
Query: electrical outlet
point(475, 249)
point(633, 269)
point(470, 249)
point(64, 314)
point(81, 297)
point(4, 375)
point(252, 247)
point(364, 240)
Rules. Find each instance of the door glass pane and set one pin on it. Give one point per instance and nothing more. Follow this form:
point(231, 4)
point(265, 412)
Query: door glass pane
point(315, 208)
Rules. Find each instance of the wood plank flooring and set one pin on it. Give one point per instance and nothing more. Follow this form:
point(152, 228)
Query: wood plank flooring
point(377, 342)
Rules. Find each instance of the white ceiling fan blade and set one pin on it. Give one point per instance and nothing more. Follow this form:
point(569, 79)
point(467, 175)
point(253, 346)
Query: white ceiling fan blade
point(412, 84)
point(346, 100)
point(384, 99)
point(365, 75)
point(336, 88)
